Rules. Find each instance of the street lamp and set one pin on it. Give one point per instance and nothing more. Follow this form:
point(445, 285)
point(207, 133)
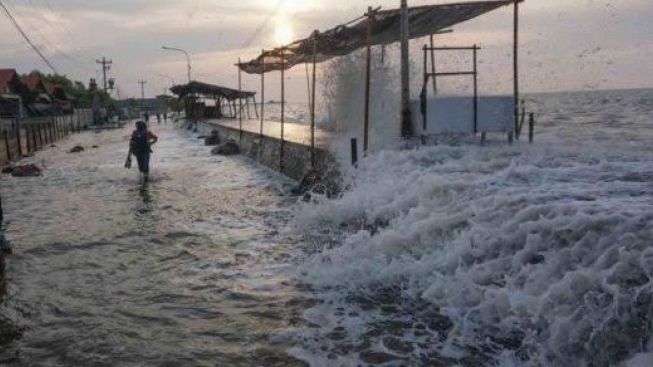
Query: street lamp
point(187, 58)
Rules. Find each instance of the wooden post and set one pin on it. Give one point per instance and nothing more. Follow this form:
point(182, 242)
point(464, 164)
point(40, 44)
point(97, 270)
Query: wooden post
point(313, 100)
point(18, 139)
point(40, 129)
point(240, 102)
point(426, 80)
point(33, 139)
point(262, 106)
point(531, 127)
point(6, 137)
point(308, 85)
point(406, 124)
point(516, 66)
point(354, 152)
point(475, 91)
point(27, 142)
point(283, 108)
point(435, 81)
point(368, 79)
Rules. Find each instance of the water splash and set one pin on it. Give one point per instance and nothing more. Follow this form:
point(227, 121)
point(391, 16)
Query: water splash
point(536, 255)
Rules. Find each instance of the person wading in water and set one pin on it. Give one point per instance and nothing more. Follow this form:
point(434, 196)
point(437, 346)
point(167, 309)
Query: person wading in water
point(140, 145)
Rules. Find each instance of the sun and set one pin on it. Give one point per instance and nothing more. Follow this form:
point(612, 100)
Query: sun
point(283, 33)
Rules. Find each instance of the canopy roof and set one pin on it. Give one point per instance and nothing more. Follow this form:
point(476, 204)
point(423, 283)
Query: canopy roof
point(209, 90)
point(344, 39)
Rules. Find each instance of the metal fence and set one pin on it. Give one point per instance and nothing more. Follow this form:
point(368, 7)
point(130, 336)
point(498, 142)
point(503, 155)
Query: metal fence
point(20, 137)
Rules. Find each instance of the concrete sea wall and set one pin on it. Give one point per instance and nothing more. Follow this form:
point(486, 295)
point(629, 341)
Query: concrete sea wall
point(267, 150)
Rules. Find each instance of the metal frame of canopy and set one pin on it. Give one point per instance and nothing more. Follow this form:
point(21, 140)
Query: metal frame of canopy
point(222, 95)
point(376, 27)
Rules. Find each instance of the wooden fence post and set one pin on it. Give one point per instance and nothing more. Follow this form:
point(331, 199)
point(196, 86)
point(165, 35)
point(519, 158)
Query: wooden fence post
point(40, 128)
point(531, 127)
point(6, 137)
point(20, 147)
point(27, 142)
point(34, 148)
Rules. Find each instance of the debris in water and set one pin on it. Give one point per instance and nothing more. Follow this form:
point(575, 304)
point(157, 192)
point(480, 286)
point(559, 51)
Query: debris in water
point(230, 147)
point(27, 170)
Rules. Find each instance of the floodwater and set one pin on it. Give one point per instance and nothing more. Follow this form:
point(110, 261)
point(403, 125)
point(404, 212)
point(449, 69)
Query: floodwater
point(187, 270)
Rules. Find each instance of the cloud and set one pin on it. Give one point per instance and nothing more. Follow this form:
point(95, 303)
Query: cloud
point(589, 37)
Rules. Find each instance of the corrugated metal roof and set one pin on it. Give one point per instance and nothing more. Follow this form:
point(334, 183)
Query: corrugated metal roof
point(210, 90)
point(344, 39)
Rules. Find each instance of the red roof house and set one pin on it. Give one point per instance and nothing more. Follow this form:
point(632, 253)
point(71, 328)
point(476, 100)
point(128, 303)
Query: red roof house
point(9, 81)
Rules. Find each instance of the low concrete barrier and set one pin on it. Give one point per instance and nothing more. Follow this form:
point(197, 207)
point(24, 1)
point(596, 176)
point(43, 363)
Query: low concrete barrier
point(296, 162)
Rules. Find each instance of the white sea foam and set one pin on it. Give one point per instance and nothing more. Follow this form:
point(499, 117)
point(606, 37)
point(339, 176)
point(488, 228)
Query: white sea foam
point(539, 255)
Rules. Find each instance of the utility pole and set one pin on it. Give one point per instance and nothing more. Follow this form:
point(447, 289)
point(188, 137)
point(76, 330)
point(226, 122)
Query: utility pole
point(142, 83)
point(406, 123)
point(106, 66)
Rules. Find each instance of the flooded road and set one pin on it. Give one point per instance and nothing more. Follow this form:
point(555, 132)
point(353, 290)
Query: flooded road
point(188, 270)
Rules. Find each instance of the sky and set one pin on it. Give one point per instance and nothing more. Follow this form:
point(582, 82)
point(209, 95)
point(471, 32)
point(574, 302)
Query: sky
point(565, 44)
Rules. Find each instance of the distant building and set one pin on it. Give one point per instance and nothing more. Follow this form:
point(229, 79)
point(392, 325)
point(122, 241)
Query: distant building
point(39, 102)
point(60, 98)
point(134, 108)
point(12, 92)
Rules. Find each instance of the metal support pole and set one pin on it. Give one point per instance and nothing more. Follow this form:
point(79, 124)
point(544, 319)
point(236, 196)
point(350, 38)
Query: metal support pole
point(406, 124)
point(368, 77)
point(516, 66)
point(313, 101)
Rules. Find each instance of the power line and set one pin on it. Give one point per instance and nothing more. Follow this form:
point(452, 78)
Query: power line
point(29, 41)
point(47, 42)
point(75, 42)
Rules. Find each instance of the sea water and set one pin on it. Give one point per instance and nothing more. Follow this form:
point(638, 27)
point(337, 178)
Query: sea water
point(522, 255)
point(188, 270)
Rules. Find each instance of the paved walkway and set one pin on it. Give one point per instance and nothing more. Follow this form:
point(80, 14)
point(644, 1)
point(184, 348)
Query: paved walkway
point(296, 133)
